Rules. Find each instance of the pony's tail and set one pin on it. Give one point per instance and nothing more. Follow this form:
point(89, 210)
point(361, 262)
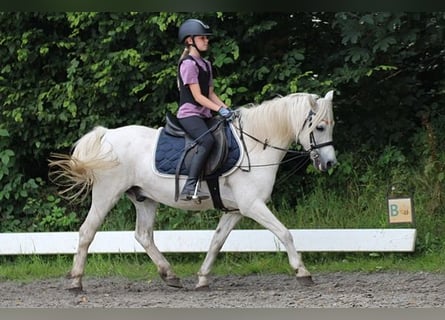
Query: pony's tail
point(75, 174)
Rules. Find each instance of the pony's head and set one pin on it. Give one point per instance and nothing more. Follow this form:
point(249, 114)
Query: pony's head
point(316, 134)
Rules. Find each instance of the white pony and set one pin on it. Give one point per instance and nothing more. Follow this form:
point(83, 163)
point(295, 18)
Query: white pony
point(111, 162)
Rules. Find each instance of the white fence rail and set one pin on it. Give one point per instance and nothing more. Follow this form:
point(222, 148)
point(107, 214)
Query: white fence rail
point(315, 240)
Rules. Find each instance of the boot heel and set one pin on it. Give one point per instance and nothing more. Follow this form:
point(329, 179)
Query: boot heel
point(185, 197)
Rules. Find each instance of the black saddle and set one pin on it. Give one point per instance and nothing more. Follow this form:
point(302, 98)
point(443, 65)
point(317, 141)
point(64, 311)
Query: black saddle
point(218, 155)
point(217, 158)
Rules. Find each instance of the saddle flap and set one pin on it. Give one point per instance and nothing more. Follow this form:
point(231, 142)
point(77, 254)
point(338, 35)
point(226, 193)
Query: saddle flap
point(219, 153)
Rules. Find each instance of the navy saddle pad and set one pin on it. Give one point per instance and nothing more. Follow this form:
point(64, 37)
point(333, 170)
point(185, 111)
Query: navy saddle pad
point(170, 148)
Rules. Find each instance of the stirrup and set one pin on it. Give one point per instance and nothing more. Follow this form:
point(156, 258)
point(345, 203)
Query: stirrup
point(197, 195)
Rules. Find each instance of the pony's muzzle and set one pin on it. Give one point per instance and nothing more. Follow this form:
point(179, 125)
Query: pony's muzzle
point(320, 164)
point(330, 164)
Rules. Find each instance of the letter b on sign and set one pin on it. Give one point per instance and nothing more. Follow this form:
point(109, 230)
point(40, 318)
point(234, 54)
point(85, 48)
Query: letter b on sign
point(393, 210)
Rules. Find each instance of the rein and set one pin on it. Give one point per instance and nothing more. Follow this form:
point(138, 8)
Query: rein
point(311, 152)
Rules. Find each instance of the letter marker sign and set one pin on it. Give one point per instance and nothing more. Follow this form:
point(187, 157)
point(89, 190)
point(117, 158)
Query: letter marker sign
point(400, 210)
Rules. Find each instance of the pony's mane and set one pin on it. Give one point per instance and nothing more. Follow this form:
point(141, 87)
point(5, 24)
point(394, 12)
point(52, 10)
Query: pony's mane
point(278, 118)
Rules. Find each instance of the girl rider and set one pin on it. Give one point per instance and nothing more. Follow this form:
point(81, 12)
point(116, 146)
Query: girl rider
point(197, 99)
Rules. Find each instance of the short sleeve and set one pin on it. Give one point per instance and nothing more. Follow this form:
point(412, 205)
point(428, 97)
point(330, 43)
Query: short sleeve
point(189, 72)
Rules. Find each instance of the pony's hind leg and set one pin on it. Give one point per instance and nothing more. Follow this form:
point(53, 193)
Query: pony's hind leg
point(103, 199)
point(145, 219)
point(227, 222)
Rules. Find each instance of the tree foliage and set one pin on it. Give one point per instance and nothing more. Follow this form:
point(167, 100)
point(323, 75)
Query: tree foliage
point(63, 73)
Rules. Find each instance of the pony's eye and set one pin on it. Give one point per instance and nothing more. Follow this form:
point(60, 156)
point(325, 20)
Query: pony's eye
point(319, 128)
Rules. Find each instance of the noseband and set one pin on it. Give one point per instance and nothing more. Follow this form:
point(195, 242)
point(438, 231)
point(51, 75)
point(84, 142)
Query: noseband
point(314, 144)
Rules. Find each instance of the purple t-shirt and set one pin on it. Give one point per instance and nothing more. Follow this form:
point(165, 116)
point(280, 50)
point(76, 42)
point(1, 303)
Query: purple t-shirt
point(189, 73)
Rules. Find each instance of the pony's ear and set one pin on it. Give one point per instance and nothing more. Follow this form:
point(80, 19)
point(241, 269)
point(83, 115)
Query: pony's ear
point(329, 95)
point(313, 101)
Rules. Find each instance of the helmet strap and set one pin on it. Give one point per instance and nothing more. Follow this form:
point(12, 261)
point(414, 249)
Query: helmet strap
point(194, 45)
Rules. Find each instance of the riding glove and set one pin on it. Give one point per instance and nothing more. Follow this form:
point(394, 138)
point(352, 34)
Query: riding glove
point(225, 112)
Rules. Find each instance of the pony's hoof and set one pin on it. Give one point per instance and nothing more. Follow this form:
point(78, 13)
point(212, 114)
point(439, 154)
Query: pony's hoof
point(202, 288)
point(174, 282)
point(75, 290)
point(305, 281)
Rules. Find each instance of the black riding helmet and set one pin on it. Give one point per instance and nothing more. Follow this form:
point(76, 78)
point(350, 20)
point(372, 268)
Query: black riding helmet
point(193, 27)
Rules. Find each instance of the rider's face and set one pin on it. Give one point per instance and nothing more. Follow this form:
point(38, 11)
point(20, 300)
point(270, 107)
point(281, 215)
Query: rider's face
point(202, 42)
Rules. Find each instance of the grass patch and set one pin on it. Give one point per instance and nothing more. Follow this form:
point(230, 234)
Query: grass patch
point(140, 267)
point(33, 267)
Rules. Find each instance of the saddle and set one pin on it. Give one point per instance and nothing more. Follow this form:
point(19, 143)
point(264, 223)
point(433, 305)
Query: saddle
point(217, 126)
point(217, 158)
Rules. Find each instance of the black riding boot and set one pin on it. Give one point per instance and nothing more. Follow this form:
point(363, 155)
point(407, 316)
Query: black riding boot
point(190, 190)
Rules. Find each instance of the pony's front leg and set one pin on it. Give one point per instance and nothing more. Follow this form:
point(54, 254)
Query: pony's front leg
point(261, 214)
point(226, 224)
point(145, 219)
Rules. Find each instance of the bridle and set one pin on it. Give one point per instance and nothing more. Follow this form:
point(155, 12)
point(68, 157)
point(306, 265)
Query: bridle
point(311, 152)
point(313, 144)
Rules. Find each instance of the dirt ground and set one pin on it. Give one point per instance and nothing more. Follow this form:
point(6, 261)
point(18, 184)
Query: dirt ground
point(331, 290)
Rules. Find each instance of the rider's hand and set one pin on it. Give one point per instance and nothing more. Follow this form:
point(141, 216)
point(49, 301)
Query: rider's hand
point(225, 112)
